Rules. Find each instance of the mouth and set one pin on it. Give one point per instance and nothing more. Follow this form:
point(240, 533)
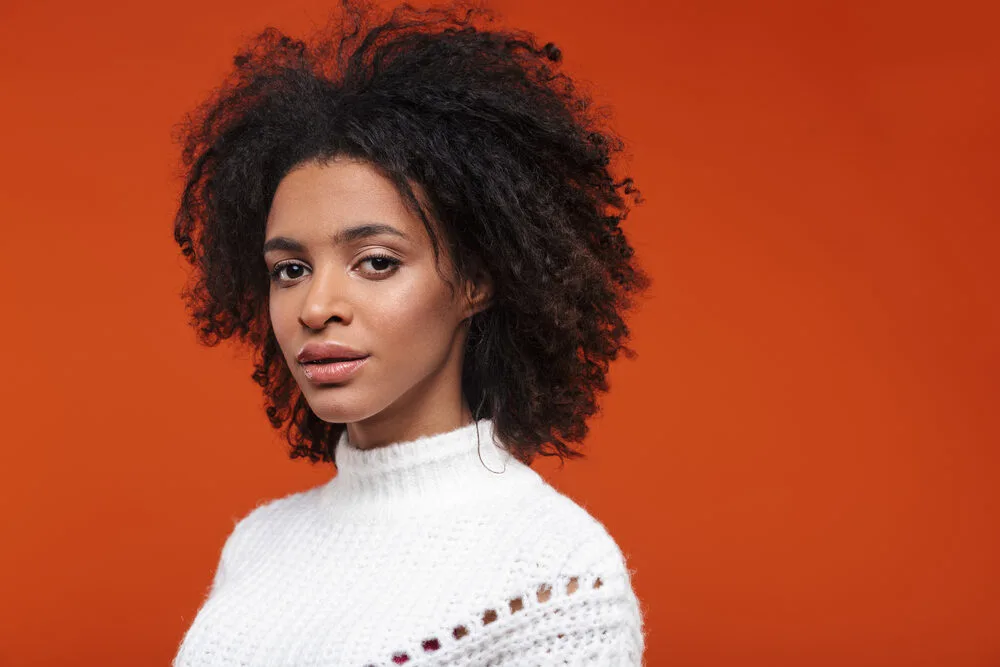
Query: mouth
point(333, 360)
point(324, 371)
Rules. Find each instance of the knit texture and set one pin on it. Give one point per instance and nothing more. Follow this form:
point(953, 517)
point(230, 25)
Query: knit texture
point(443, 550)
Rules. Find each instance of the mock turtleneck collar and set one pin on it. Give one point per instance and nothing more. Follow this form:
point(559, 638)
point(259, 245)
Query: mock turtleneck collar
point(408, 475)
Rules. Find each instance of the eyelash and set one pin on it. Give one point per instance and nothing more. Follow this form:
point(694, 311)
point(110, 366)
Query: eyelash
point(393, 265)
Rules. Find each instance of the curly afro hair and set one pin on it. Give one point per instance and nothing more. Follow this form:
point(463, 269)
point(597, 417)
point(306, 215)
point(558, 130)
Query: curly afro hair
point(514, 162)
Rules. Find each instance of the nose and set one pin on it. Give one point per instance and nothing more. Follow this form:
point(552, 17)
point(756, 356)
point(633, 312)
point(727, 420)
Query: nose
point(326, 299)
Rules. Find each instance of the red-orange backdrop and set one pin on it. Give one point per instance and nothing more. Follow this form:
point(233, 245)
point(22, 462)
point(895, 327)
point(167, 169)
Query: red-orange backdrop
point(801, 465)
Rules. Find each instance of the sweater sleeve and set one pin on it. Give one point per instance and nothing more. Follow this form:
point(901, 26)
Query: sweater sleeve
point(586, 628)
point(589, 615)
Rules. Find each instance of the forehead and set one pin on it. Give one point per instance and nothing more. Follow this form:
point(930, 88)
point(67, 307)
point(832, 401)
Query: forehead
point(338, 193)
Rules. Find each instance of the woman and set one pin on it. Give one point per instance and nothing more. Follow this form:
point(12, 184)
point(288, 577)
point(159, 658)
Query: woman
point(413, 226)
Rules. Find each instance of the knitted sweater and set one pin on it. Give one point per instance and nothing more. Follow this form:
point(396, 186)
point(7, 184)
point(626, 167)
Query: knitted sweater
point(443, 550)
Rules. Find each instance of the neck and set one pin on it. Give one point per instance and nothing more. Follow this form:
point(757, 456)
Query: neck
point(386, 429)
point(458, 465)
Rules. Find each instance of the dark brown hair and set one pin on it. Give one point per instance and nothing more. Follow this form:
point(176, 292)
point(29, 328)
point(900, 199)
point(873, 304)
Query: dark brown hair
point(515, 164)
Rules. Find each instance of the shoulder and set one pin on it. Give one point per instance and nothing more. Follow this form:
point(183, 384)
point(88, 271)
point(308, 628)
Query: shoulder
point(579, 597)
point(270, 519)
point(569, 539)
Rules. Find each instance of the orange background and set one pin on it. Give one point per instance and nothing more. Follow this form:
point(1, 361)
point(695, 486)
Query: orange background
point(802, 464)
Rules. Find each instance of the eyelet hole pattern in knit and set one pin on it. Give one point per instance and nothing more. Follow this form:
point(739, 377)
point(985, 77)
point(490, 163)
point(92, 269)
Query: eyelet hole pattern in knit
point(543, 594)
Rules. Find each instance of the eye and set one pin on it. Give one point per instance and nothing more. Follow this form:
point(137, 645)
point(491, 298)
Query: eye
point(294, 267)
point(383, 265)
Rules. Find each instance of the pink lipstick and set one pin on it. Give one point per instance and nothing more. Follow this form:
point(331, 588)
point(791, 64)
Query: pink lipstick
point(331, 371)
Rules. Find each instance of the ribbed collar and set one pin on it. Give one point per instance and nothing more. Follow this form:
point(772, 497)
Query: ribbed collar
point(410, 476)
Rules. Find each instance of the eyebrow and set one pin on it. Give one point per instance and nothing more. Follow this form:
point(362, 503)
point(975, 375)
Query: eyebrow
point(343, 236)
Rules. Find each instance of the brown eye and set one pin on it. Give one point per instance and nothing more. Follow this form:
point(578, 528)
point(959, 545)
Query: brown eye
point(382, 265)
point(295, 269)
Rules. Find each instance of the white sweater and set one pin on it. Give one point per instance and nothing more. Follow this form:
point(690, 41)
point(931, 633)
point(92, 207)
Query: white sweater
point(417, 554)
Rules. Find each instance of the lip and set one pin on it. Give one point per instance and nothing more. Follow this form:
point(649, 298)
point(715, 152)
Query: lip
point(335, 371)
point(328, 350)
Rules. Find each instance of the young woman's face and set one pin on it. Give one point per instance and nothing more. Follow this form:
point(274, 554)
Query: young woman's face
point(350, 264)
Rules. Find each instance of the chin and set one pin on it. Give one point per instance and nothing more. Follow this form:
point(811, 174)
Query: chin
point(336, 412)
point(339, 404)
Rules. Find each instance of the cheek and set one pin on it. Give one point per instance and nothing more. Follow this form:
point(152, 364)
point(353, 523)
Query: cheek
point(410, 321)
point(284, 321)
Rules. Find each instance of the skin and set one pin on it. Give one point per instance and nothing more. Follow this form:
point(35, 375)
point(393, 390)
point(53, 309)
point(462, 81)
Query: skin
point(403, 315)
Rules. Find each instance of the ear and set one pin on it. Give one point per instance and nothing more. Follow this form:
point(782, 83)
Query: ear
point(478, 292)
